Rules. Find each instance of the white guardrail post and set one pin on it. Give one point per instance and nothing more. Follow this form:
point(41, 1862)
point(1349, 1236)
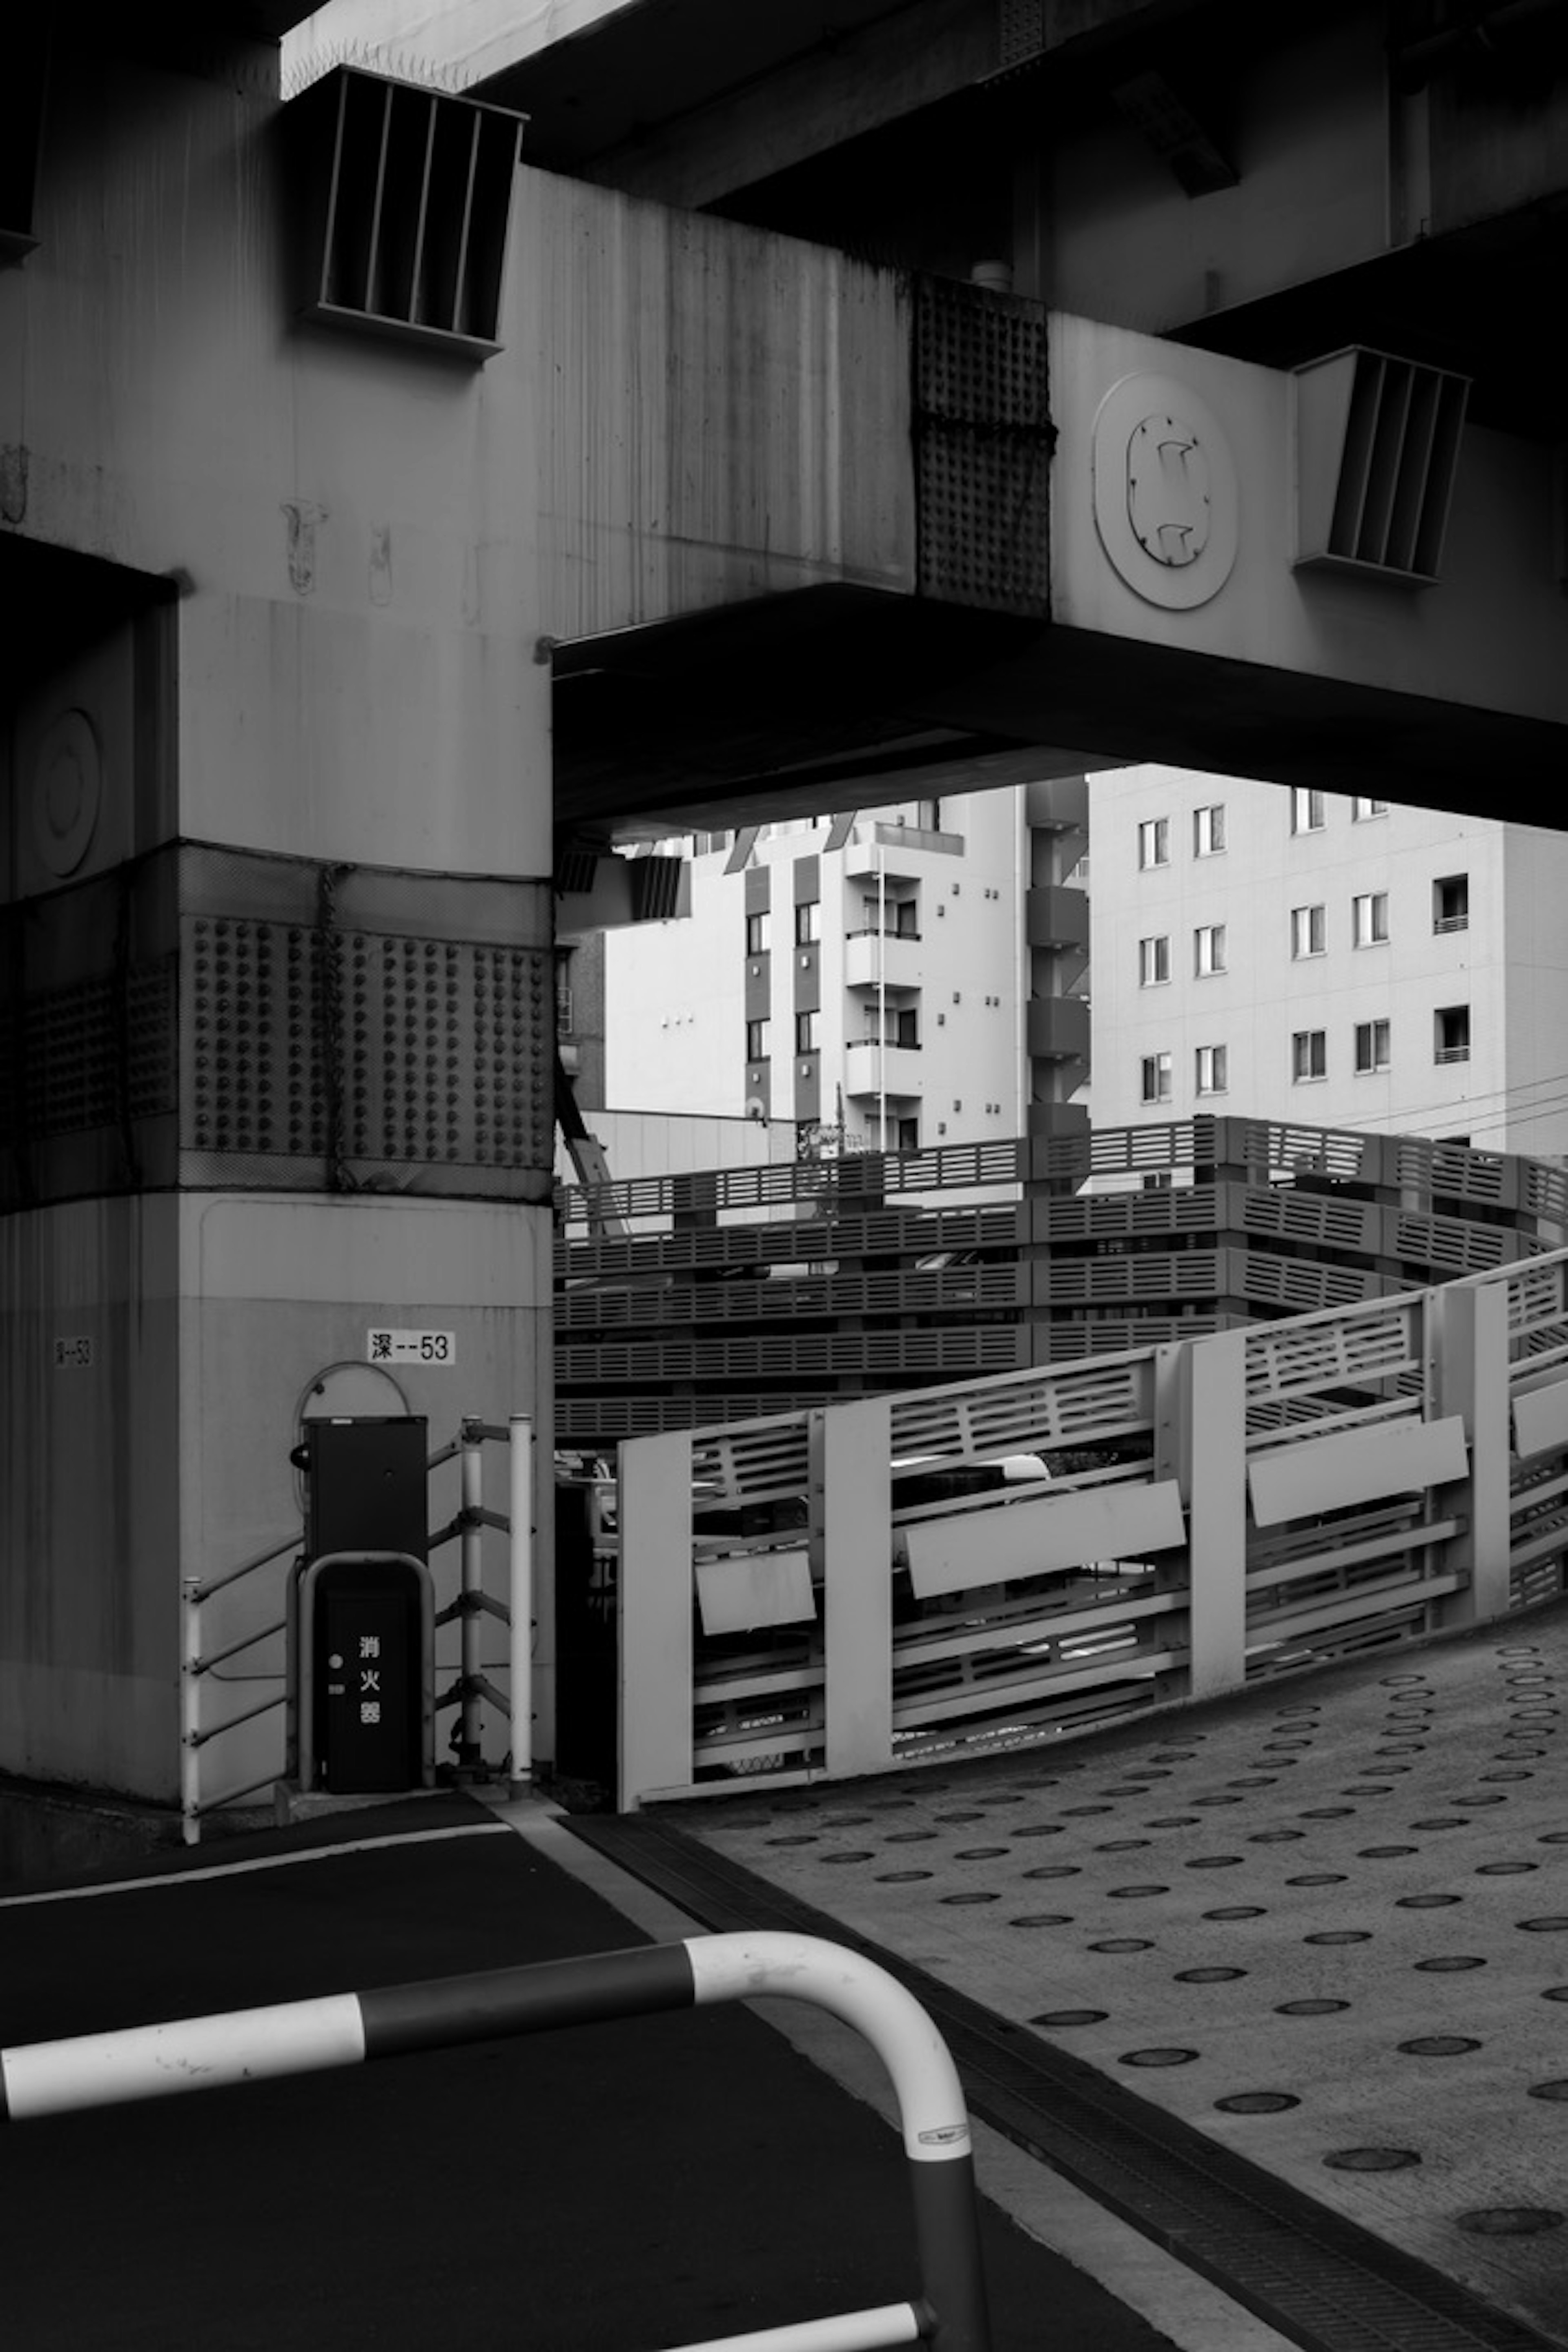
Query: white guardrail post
point(472, 1585)
point(190, 1710)
point(520, 1516)
point(194, 2053)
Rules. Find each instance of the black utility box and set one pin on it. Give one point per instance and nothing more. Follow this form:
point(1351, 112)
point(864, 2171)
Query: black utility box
point(367, 1482)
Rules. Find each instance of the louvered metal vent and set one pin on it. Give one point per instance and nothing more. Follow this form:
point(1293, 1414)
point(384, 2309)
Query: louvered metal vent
point(1377, 445)
point(409, 194)
point(656, 888)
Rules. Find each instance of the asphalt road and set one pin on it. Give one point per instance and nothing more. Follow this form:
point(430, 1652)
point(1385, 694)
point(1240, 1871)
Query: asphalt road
point(642, 2183)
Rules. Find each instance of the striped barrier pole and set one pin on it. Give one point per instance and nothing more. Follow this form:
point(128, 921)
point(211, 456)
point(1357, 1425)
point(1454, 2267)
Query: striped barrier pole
point(297, 2037)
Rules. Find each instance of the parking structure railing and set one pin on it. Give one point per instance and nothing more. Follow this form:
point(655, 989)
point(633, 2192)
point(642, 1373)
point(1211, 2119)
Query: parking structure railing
point(854, 1586)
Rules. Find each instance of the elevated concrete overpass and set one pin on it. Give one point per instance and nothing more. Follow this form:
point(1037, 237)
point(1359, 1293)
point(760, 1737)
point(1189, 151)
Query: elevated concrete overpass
point(1260, 188)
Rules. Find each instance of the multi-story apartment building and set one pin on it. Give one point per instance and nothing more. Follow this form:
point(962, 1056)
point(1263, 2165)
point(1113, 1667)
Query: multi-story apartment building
point(1303, 954)
point(865, 974)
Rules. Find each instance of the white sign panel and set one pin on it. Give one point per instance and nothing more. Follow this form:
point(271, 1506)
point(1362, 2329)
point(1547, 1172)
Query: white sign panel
point(411, 1347)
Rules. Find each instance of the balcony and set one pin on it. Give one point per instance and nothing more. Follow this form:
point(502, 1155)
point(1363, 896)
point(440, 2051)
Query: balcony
point(873, 1070)
point(1056, 917)
point(1057, 804)
point(1058, 1029)
point(882, 959)
point(876, 847)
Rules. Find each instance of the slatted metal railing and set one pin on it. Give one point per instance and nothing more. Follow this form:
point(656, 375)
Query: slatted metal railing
point(741, 1293)
point(839, 1590)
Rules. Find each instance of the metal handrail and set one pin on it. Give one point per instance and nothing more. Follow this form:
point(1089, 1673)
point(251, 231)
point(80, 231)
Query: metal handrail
point(349, 2029)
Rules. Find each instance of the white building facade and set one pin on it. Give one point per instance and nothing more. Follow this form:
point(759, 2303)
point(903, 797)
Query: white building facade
point(1306, 955)
point(863, 975)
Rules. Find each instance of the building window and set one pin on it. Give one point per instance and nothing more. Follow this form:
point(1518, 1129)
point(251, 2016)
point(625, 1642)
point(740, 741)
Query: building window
point(1153, 962)
point(759, 932)
point(1451, 903)
point(1307, 931)
point(1210, 1076)
point(1154, 842)
point(808, 1032)
point(1306, 811)
point(908, 1134)
point(1208, 830)
point(1371, 1046)
point(905, 918)
point(1362, 808)
point(809, 922)
point(1369, 919)
point(756, 1041)
point(1451, 1032)
point(1208, 950)
point(564, 991)
point(1309, 1056)
point(1156, 1077)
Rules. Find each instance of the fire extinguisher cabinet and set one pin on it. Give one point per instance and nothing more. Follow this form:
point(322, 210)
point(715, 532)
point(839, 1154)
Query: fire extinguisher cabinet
point(361, 1634)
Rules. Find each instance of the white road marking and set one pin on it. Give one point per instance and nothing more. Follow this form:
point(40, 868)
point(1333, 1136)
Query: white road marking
point(214, 1870)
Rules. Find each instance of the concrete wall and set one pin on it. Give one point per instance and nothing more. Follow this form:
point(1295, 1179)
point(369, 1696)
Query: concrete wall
point(1490, 636)
point(675, 1143)
point(1104, 229)
point(354, 682)
point(707, 412)
point(89, 1520)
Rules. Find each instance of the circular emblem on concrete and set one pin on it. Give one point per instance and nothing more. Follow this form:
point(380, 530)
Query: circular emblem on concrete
point(66, 790)
point(1165, 502)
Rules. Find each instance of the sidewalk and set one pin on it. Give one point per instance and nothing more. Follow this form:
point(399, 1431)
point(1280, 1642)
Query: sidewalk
point(1323, 1926)
point(649, 2182)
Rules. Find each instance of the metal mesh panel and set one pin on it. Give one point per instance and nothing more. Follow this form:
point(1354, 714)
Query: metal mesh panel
point(362, 1028)
point(982, 446)
point(88, 1076)
point(1020, 31)
point(216, 1018)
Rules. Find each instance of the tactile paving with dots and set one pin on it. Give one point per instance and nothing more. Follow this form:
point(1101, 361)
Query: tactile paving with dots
point(1371, 2007)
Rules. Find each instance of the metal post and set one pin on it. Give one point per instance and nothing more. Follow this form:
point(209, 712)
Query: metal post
point(472, 1499)
point(1215, 1437)
point(849, 1451)
point(520, 1639)
point(654, 1616)
point(190, 1710)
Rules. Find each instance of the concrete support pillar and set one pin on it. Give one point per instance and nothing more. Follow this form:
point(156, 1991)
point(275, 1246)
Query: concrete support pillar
point(851, 1541)
point(655, 1609)
point(1468, 1374)
point(1214, 1493)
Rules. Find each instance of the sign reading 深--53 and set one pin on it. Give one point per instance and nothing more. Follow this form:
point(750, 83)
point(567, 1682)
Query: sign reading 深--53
point(411, 1347)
